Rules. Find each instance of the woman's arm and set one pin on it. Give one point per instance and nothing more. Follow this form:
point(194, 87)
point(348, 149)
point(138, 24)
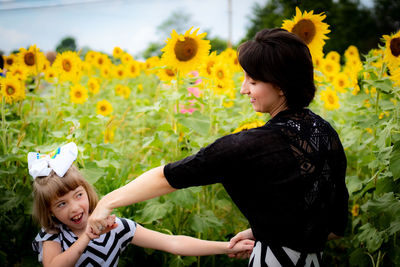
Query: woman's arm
point(185, 245)
point(149, 185)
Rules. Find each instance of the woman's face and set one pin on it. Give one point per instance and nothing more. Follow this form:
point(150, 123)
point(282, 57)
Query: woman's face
point(265, 97)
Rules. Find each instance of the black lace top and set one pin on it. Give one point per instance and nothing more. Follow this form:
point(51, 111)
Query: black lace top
point(287, 178)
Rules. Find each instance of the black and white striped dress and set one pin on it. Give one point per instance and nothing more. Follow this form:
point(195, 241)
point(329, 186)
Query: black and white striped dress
point(276, 256)
point(103, 251)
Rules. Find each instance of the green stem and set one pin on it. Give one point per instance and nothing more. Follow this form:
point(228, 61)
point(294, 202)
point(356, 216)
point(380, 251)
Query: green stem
point(3, 126)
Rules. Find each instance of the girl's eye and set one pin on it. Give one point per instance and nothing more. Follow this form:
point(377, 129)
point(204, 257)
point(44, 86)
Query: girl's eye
point(60, 205)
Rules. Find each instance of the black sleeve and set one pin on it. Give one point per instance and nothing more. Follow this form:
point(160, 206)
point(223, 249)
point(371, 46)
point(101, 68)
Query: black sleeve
point(340, 195)
point(208, 166)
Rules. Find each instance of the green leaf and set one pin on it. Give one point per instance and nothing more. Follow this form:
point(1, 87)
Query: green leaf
point(154, 210)
point(202, 222)
point(199, 124)
point(92, 172)
point(183, 198)
point(371, 237)
point(394, 164)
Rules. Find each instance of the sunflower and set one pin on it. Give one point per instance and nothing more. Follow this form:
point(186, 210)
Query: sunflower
point(78, 94)
point(122, 90)
point(11, 89)
point(126, 58)
point(117, 52)
point(220, 72)
point(395, 76)
point(101, 60)
point(185, 52)
point(330, 68)
point(104, 108)
point(32, 59)
point(341, 82)
point(167, 74)
point(10, 60)
point(230, 57)
point(119, 71)
point(392, 49)
point(133, 69)
point(310, 29)
point(330, 98)
point(150, 64)
point(90, 57)
point(94, 85)
point(355, 210)
point(50, 75)
point(105, 71)
point(333, 55)
point(351, 52)
point(249, 125)
point(68, 65)
point(19, 72)
point(208, 64)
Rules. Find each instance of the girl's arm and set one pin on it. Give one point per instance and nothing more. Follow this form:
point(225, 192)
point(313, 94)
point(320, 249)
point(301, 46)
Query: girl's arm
point(148, 185)
point(53, 255)
point(185, 245)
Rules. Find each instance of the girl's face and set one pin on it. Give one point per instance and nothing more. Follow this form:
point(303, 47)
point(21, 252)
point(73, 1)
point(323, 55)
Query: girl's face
point(72, 209)
point(265, 97)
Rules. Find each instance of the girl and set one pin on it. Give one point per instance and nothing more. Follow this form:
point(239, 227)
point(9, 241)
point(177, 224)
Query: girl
point(63, 201)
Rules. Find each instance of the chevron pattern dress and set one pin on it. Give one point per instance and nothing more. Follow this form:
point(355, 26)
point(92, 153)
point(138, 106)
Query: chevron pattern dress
point(103, 251)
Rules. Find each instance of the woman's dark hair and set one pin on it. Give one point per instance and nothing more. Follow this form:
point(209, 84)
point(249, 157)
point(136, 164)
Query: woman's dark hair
point(279, 57)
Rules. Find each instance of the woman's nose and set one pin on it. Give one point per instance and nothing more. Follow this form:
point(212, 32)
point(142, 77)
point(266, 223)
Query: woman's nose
point(244, 90)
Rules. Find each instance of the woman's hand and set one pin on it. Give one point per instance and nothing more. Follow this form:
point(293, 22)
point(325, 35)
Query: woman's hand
point(99, 219)
point(246, 234)
point(111, 224)
point(242, 249)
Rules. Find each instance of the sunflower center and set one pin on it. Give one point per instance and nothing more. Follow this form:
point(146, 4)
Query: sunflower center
point(29, 59)
point(120, 73)
point(328, 68)
point(220, 74)
point(209, 66)
point(305, 29)
point(395, 46)
point(103, 108)
point(78, 94)
point(169, 72)
point(66, 64)
point(10, 90)
point(133, 69)
point(9, 61)
point(341, 83)
point(331, 99)
point(186, 50)
point(100, 61)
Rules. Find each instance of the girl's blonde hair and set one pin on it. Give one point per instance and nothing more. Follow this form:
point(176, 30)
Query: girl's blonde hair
point(45, 189)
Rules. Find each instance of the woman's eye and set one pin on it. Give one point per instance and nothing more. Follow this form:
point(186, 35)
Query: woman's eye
point(61, 204)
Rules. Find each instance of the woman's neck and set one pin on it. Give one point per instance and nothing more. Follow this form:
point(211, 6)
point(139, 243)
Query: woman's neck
point(278, 108)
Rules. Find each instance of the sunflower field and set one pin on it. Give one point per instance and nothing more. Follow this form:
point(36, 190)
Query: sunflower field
point(128, 116)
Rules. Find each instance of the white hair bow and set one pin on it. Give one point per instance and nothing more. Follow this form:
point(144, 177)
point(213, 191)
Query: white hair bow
point(59, 161)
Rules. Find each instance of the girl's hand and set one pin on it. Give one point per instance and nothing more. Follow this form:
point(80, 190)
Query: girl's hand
point(246, 234)
point(242, 249)
point(98, 220)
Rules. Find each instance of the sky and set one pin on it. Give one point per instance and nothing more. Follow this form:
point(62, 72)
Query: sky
point(103, 24)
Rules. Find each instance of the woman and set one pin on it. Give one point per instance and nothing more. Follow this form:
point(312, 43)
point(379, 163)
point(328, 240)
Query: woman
point(287, 177)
